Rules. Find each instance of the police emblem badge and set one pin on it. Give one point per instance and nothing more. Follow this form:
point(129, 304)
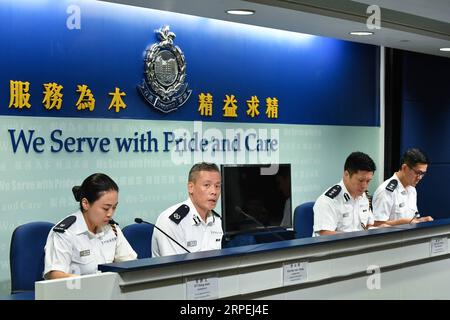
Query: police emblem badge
point(164, 85)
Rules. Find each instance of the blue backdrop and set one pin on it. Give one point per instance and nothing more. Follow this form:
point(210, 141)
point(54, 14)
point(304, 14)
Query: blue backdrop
point(426, 125)
point(317, 80)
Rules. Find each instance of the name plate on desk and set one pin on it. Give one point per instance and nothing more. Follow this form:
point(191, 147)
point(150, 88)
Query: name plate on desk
point(295, 272)
point(202, 287)
point(438, 246)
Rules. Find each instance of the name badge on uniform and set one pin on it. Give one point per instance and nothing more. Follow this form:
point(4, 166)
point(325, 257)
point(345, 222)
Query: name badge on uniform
point(85, 253)
point(401, 204)
point(192, 243)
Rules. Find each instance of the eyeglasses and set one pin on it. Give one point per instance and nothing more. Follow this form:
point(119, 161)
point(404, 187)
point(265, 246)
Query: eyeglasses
point(418, 172)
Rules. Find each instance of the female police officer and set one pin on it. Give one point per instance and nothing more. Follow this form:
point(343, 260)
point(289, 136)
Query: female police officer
point(89, 237)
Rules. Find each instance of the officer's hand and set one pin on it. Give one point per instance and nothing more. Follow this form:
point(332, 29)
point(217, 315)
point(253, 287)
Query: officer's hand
point(425, 219)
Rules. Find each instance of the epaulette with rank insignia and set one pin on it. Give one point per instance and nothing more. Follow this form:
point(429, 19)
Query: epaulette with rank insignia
point(392, 185)
point(179, 214)
point(65, 224)
point(334, 191)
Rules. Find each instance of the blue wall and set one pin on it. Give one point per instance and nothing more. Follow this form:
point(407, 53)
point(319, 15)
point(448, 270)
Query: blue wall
point(426, 125)
point(317, 80)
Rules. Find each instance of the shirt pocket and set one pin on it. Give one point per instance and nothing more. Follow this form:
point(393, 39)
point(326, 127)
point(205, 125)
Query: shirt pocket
point(364, 216)
point(402, 210)
point(216, 239)
point(83, 263)
point(109, 251)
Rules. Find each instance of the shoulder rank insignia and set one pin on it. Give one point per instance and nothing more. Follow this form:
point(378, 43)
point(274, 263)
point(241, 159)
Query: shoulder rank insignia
point(179, 214)
point(334, 191)
point(392, 185)
point(65, 224)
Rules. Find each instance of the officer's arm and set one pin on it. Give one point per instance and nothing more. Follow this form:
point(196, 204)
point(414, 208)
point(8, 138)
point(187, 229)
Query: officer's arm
point(55, 274)
point(58, 256)
point(325, 222)
point(327, 232)
point(408, 220)
point(165, 245)
point(383, 203)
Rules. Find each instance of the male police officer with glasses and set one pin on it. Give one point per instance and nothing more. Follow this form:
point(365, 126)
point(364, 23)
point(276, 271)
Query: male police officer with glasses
point(395, 200)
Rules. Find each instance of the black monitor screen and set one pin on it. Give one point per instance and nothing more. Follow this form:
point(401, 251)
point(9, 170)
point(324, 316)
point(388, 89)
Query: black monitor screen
point(257, 191)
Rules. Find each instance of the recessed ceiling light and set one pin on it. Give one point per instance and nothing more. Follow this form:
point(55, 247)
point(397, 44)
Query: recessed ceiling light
point(445, 49)
point(361, 33)
point(241, 12)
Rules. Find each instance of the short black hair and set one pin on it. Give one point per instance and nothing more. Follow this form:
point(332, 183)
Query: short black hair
point(412, 157)
point(201, 166)
point(359, 161)
point(93, 188)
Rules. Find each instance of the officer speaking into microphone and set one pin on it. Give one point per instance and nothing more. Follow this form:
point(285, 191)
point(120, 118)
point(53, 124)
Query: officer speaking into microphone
point(192, 225)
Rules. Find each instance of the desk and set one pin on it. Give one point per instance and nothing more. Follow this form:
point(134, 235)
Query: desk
point(257, 237)
point(388, 263)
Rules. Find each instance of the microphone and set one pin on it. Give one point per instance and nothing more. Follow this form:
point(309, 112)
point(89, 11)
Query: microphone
point(239, 210)
point(416, 215)
point(139, 220)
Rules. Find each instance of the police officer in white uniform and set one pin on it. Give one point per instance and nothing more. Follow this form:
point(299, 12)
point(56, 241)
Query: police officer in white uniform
point(89, 237)
point(192, 225)
point(345, 207)
point(395, 200)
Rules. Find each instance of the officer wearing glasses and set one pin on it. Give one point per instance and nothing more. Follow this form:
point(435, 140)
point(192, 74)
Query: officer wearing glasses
point(395, 200)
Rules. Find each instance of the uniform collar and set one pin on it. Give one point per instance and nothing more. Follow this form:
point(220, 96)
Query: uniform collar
point(400, 186)
point(80, 226)
point(346, 195)
point(196, 219)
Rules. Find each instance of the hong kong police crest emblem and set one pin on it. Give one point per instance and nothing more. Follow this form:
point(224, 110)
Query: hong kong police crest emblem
point(164, 84)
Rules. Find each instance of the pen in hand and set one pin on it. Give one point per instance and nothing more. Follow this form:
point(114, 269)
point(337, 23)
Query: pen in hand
point(363, 226)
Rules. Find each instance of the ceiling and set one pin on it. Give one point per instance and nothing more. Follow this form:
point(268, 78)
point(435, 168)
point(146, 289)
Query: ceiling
point(414, 25)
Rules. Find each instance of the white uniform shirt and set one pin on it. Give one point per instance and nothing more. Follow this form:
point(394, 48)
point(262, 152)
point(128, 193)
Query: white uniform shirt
point(336, 210)
point(392, 202)
point(191, 232)
point(79, 251)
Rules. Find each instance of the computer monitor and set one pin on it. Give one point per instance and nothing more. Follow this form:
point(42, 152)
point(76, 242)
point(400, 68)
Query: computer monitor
point(257, 191)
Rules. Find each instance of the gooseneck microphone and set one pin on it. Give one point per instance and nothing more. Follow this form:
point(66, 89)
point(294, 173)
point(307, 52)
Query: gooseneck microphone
point(139, 220)
point(239, 210)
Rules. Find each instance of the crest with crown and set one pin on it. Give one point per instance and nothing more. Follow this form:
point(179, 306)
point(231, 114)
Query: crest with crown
point(164, 85)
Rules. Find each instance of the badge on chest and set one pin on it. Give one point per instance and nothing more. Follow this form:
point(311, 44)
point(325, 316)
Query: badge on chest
point(85, 253)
